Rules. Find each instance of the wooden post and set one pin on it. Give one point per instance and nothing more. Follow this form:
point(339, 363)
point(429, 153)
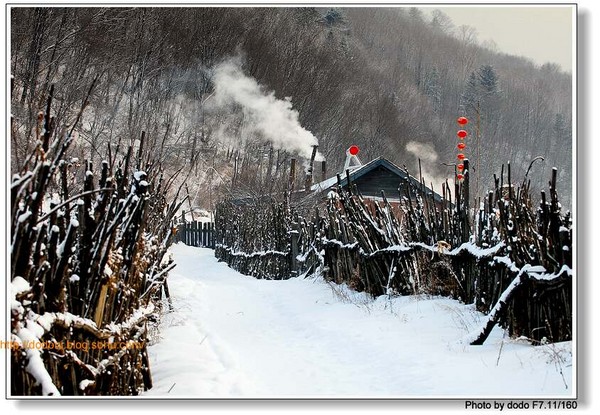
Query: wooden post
point(188, 231)
point(200, 234)
point(421, 182)
point(292, 178)
point(509, 182)
point(168, 294)
point(349, 184)
point(194, 233)
point(295, 236)
point(141, 151)
point(269, 168)
point(235, 169)
point(465, 220)
point(554, 219)
point(457, 194)
point(99, 313)
point(182, 227)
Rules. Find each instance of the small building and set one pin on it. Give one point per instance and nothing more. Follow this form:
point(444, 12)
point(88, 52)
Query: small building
point(374, 177)
point(369, 180)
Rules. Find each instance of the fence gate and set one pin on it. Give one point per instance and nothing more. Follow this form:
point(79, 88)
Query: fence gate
point(196, 234)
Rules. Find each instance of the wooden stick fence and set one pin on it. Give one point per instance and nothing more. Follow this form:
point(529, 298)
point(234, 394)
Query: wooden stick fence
point(199, 234)
point(424, 249)
point(254, 239)
point(86, 270)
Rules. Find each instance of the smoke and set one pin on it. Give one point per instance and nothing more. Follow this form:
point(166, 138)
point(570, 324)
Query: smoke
point(425, 152)
point(429, 165)
point(262, 114)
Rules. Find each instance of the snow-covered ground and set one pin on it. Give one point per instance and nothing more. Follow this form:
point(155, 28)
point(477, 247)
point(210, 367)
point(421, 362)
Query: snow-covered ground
point(235, 336)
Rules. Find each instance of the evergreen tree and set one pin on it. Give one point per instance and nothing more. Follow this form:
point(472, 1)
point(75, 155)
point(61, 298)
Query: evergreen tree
point(334, 17)
point(488, 79)
point(433, 89)
point(489, 94)
point(561, 130)
point(559, 125)
point(470, 95)
point(481, 92)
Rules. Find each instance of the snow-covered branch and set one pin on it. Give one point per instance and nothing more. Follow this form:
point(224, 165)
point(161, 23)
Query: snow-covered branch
point(527, 272)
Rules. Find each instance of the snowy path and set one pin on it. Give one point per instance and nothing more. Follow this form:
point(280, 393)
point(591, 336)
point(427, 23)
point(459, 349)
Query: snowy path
point(235, 336)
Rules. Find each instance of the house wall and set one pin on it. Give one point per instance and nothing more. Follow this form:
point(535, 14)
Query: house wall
point(379, 179)
point(395, 205)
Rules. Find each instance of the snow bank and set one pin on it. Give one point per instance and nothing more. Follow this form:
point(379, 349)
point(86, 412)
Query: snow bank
point(235, 336)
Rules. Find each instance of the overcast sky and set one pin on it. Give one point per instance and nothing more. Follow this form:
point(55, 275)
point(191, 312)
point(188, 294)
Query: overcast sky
point(544, 34)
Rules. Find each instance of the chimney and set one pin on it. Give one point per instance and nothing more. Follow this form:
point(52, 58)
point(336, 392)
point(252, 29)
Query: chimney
point(309, 176)
point(323, 170)
point(292, 175)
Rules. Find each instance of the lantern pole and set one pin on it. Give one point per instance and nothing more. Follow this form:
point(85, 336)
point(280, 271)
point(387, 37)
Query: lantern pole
point(478, 138)
point(462, 180)
point(466, 231)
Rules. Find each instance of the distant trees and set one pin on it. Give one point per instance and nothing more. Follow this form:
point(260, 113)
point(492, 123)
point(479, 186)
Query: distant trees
point(481, 90)
point(433, 89)
point(480, 102)
point(442, 22)
point(376, 77)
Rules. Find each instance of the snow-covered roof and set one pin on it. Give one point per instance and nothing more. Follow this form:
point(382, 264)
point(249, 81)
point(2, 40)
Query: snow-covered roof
point(366, 168)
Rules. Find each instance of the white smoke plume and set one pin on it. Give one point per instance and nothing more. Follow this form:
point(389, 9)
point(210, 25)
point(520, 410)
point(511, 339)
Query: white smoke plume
point(425, 152)
point(429, 165)
point(263, 114)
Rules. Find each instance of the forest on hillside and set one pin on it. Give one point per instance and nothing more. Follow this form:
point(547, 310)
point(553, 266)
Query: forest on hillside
point(226, 96)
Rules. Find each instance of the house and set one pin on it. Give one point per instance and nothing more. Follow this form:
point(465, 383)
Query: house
point(374, 177)
point(369, 180)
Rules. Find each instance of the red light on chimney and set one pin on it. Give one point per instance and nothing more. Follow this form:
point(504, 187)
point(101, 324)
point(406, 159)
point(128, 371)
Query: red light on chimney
point(461, 146)
point(461, 133)
point(460, 156)
point(460, 176)
point(353, 150)
point(460, 167)
point(462, 120)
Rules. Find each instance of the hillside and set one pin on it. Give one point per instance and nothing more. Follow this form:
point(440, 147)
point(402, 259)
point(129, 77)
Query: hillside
point(388, 79)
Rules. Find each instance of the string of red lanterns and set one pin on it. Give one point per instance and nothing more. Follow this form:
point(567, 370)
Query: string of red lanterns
point(461, 134)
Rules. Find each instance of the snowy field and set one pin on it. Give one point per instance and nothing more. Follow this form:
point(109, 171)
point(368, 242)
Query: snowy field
point(233, 336)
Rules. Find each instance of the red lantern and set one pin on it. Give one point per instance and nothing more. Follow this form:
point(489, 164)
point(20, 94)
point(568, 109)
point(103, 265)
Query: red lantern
point(353, 150)
point(460, 156)
point(460, 176)
point(461, 133)
point(462, 120)
point(461, 146)
point(460, 167)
